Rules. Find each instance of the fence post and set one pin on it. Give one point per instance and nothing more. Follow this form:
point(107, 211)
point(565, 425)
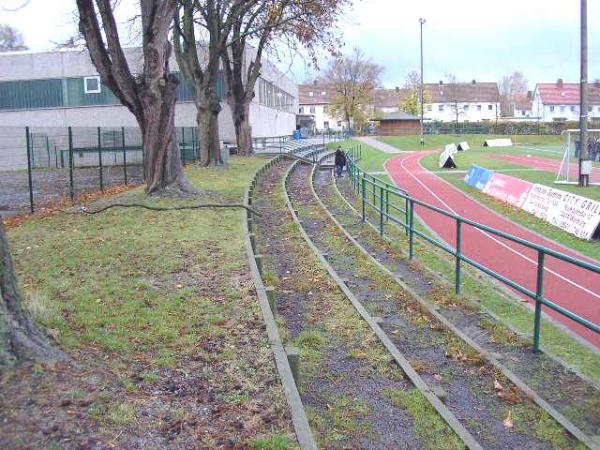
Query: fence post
point(381, 212)
point(71, 185)
point(387, 201)
point(29, 174)
point(124, 154)
point(100, 158)
point(457, 271)
point(539, 295)
point(48, 150)
point(364, 197)
point(406, 212)
point(411, 249)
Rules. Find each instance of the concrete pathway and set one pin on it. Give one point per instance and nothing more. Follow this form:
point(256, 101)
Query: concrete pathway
point(373, 142)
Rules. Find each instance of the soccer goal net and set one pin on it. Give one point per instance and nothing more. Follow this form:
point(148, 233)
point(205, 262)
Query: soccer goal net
point(569, 166)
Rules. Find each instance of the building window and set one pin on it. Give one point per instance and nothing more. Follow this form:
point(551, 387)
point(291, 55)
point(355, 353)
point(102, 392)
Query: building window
point(552, 109)
point(301, 110)
point(440, 107)
point(323, 93)
point(490, 107)
point(91, 85)
point(590, 109)
point(572, 109)
point(429, 108)
point(562, 109)
point(339, 123)
point(466, 107)
point(312, 109)
point(326, 125)
point(310, 94)
point(478, 107)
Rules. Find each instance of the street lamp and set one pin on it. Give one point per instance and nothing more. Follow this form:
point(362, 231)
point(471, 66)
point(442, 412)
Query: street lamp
point(422, 21)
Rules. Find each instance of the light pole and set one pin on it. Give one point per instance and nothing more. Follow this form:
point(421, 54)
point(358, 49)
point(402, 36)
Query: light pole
point(583, 100)
point(422, 21)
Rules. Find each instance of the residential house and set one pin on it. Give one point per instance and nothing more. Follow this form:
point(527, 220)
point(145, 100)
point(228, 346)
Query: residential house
point(462, 102)
point(560, 101)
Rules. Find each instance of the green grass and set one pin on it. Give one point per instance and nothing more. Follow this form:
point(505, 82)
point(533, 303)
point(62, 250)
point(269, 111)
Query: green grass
point(474, 140)
point(144, 292)
point(428, 425)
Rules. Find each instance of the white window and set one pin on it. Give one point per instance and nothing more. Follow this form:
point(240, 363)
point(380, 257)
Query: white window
point(301, 110)
point(572, 109)
point(440, 107)
point(562, 109)
point(466, 108)
point(312, 109)
point(91, 85)
point(428, 107)
point(478, 107)
point(311, 93)
point(552, 109)
point(490, 107)
point(323, 93)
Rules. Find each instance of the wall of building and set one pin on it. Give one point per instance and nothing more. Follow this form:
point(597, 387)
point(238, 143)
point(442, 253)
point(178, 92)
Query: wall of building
point(322, 119)
point(65, 70)
point(467, 111)
point(399, 127)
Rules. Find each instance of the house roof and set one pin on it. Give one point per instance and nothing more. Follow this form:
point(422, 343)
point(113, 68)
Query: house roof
point(388, 98)
point(462, 92)
point(565, 93)
point(315, 94)
point(398, 116)
point(523, 101)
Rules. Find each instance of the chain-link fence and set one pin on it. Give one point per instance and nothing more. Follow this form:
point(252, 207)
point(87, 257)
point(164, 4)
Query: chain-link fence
point(41, 165)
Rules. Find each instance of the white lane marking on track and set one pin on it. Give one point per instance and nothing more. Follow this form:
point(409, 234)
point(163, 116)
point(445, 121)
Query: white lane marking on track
point(492, 237)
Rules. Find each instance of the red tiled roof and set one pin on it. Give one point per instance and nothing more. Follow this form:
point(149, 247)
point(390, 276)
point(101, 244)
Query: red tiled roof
point(565, 93)
point(462, 92)
point(319, 94)
point(523, 102)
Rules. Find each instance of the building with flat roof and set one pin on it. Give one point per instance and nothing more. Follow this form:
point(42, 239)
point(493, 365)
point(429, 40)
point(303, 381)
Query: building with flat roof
point(62, 88)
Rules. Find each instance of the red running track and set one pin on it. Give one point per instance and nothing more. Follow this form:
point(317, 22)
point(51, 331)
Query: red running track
point(565, 284)
point(546, 164)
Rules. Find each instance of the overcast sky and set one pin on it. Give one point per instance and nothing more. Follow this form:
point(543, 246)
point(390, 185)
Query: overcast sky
point(475, 39)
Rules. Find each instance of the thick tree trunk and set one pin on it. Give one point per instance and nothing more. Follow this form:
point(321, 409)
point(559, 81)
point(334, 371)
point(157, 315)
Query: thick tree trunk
point(163, 170)
point(20, 339)
point(243, 129)
point(207, 119)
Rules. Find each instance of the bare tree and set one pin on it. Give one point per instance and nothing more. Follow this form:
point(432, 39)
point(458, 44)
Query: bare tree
point(11, 39)
point(201, 71)
point(452, 91)
point(151, 95)
point(289, 23)
point(20, 339)
point(411, 101)
point(510, 86)
point(353, 78)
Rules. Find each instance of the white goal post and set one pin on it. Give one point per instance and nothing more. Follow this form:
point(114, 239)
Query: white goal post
point(569, 166)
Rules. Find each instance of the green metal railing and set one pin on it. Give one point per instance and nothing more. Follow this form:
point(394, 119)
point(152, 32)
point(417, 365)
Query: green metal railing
point(379, 196)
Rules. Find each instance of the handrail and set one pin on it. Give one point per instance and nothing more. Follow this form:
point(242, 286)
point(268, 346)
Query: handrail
point(368, 186)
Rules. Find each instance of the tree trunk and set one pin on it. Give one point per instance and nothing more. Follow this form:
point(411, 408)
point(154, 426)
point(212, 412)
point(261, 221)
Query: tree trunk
point(20, 339)
point(243, 129)
point(163, 170)
point(207, 119)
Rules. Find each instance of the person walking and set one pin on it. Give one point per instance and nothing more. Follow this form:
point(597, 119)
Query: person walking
point(340, 162)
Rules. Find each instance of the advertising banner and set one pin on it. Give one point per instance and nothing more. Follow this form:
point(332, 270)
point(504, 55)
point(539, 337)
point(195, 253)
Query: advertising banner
point(572, 213)
point(478, 176)
point(508, 189)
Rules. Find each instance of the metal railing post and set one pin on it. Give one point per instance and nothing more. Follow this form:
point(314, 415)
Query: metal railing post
point(48, 150)
point(29, 174)
point(406, 213)
point(71, 184)
point(457, 271)
point(124, 154)
point(381, 212)
point(387, 201)
point(100, 158)
point(411, 249)
point(364, 197)
point(539, 295)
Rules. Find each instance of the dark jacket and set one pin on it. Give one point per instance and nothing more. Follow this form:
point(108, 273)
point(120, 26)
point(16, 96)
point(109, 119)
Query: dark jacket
point(340, 158)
